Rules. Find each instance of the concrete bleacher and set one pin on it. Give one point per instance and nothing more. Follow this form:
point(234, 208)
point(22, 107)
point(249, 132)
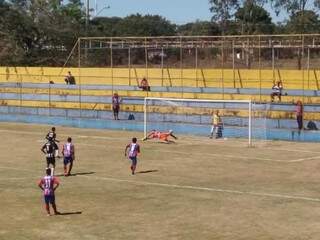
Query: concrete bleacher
point(99, 98)
point(256, 95)
point(93, 102)
point(172, 77)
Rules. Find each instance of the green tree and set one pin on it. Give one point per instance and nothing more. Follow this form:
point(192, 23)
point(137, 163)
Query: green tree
point(148, 25)
point(293, 6)
point(38, 32)
point(300, 12)
point(104, 26)
point(199, 28)
point(18, 32)
point(303, 22)
point(223, 11)
point(253, 19)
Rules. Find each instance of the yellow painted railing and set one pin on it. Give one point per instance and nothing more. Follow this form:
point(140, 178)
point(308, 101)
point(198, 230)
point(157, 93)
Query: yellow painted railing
point(159, 109)
point(142, 94)
point(220, 78)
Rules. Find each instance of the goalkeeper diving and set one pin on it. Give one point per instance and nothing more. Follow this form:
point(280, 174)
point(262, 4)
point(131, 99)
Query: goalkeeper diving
point(162, 136)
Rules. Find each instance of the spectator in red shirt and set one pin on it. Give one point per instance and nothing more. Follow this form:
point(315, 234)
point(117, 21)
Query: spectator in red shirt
point(116, 105)
point(144, 85)
point(299, 114)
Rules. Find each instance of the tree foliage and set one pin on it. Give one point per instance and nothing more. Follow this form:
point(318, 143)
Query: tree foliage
point(293, 6)
point(199, 28)
point(43, 32)
point(223, 11)
point(148, 25)
point(253, 19)
point(303, 22)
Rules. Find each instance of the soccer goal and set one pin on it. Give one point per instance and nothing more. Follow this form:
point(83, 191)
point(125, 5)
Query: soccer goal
point(240, 118)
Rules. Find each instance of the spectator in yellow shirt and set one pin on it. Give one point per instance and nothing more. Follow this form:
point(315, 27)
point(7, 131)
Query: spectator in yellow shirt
point(216, 125)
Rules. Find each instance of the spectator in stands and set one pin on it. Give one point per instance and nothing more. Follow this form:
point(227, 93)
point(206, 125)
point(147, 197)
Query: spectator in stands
point(116, 105)
point(299, 114)
point(69, 79)
point(277, 91)
point(144, 85)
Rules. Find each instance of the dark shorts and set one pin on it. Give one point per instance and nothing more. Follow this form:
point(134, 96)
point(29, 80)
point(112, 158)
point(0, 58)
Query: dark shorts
point(51, 160)
point(49, 199)
point(67, 160)
point(116, 109)
point(133, 160)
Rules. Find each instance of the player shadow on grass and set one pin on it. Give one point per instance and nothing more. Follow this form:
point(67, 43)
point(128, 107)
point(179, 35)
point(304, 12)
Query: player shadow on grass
point(76, 174)
point(147, 171)
point(70, 213)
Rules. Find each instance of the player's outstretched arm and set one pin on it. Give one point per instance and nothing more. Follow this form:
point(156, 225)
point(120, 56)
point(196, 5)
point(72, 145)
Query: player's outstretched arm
point(173, 136)
point(148, 136)
point(126, 149)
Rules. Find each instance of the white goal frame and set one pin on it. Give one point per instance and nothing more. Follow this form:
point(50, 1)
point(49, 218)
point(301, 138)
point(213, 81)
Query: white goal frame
point(249, 102)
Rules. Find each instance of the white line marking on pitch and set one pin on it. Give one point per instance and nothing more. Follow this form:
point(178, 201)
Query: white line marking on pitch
point(194, 153)
point(273, 195)
point(293, 150)
point(304, 159)
point(209, 154)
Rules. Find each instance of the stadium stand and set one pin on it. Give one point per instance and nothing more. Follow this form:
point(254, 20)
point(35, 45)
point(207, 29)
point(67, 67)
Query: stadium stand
point(27, 91)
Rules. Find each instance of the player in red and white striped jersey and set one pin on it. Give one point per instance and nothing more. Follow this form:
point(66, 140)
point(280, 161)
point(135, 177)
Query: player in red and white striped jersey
point(134, 150)
point(68, 153)
point(48, 185)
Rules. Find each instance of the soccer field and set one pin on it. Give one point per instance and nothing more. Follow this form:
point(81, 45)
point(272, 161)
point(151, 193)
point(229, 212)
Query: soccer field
point(195, 189)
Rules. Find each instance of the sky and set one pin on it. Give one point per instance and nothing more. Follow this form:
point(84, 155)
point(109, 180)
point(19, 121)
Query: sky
point(176, 11)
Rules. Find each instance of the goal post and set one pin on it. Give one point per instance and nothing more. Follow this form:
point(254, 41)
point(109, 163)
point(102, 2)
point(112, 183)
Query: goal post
point(194, 116)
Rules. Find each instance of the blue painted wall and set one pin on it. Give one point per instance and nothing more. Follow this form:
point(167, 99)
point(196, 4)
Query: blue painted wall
point(103, 120)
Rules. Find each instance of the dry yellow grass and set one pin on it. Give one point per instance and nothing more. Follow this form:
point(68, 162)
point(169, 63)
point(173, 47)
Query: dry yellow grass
point(194, 189)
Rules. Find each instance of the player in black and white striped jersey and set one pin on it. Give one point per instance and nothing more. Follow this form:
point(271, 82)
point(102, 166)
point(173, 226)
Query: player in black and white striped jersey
point(49, 149)
point(52, 134)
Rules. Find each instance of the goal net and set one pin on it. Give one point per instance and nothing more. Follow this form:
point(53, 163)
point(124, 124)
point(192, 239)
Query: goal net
point(239, 118)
